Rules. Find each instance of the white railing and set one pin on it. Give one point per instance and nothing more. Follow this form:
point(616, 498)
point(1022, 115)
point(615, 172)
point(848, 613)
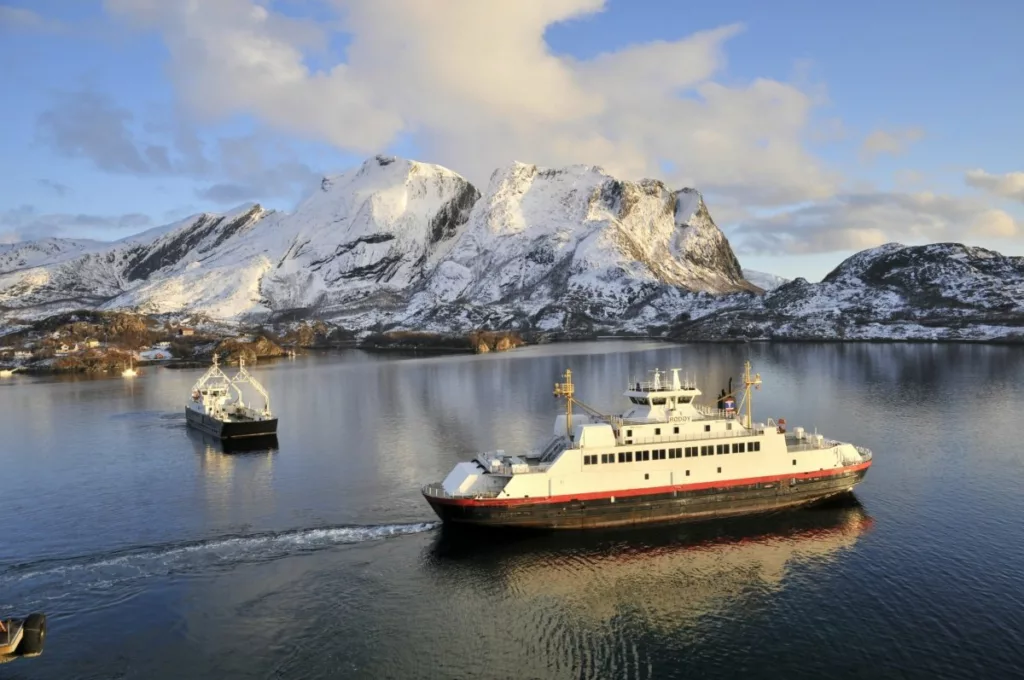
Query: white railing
point(436, 490)
point(714, 412)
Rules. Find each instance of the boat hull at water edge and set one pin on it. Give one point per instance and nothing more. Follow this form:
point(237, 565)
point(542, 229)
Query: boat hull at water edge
point(230, 429)
point(649, 506)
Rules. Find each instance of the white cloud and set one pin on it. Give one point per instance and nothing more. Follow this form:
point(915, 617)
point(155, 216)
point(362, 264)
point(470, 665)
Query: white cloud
point(477, 86)
point(858, 221)
point(21, 19)
point(87, 124)
point(894, 143)
point(26, 223)
point(1010, 185)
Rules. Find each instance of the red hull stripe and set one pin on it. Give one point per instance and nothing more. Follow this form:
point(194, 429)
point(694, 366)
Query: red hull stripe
point(650, 491)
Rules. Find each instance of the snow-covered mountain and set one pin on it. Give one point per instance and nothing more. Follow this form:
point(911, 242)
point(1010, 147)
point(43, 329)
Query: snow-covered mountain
point(99, 276)
point(397, 243)
point(762, 280)
point(944, 291)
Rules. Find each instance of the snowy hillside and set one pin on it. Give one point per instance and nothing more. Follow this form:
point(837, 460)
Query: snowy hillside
point(944, 291)
point(762, 280)
point(576, 248)
point(400, 244)
point(43, 252)
point(397, 244)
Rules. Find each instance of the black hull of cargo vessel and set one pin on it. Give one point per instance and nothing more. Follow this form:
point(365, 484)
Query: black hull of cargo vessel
point(231, 430)
point(669, 506)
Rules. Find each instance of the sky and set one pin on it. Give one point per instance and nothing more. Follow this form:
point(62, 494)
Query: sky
point(813, 129)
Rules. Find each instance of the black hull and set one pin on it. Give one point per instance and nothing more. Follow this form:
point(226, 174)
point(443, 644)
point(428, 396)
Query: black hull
point(233, 430)
point(675, 506)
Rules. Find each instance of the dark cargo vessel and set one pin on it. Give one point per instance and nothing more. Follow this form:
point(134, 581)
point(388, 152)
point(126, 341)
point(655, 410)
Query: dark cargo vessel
point(217, 407)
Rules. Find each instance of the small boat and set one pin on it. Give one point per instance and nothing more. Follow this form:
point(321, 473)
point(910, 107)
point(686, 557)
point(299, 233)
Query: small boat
point(217, 406)
point(129, 372)
point(22, 637)
point(666, 459)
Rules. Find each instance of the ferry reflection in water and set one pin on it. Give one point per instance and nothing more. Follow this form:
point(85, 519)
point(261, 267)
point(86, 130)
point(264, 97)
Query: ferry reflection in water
point(238, 474)
point(661, 575)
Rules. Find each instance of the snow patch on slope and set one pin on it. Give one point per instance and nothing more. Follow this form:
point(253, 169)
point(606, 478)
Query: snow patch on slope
point(763, 280)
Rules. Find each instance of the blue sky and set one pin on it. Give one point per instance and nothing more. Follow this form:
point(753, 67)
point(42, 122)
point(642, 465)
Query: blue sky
point(114, 109)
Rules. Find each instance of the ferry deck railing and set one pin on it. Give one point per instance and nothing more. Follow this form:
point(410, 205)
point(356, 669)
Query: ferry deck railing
point(436, 490)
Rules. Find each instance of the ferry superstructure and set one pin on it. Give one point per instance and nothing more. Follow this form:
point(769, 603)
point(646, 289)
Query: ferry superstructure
point(217, 406)
point(665, 459)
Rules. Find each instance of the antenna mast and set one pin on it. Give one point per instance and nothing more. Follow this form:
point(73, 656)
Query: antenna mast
point(749, 382)
point(566, 389)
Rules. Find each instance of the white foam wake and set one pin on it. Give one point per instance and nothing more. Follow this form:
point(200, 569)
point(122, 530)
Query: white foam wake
point(194, 556)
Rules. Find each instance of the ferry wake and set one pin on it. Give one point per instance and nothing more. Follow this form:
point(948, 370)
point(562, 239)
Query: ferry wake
point(666, 459)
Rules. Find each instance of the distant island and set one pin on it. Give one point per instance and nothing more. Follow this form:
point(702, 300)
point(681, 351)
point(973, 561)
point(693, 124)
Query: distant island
point(398, 254)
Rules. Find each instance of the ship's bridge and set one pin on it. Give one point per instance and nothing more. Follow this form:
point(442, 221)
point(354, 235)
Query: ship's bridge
point(661, 395)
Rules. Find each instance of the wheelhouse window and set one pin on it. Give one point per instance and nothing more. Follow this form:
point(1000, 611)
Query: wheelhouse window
point(707, 450)
point(754, 446)
point(685, 400)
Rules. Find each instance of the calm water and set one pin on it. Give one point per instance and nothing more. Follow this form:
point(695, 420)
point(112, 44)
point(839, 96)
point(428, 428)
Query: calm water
point(156, 555)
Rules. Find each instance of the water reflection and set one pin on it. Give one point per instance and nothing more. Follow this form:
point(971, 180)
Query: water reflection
point(211, 445)
point(661, 575)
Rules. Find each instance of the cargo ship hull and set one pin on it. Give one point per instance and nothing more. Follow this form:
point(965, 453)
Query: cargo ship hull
point(648, 506)
point(230, 429)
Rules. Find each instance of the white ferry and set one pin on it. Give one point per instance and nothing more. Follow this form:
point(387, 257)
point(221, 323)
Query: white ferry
point(665, 459)
point(217, 406)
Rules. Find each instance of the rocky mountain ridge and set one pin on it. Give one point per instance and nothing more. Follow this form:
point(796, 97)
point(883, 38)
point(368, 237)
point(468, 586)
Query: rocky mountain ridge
point(401, 244)
point(398, 245)
point(942, 291)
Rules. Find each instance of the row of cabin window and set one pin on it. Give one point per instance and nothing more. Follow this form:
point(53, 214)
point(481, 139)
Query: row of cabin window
point(675, 430)
point(660, 454)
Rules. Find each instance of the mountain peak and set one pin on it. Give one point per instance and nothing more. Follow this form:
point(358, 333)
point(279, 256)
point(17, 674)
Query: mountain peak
point(396, 241)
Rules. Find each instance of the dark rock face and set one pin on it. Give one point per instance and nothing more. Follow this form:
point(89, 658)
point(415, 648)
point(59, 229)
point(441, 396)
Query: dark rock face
point(453, 214)
point(206, 234)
